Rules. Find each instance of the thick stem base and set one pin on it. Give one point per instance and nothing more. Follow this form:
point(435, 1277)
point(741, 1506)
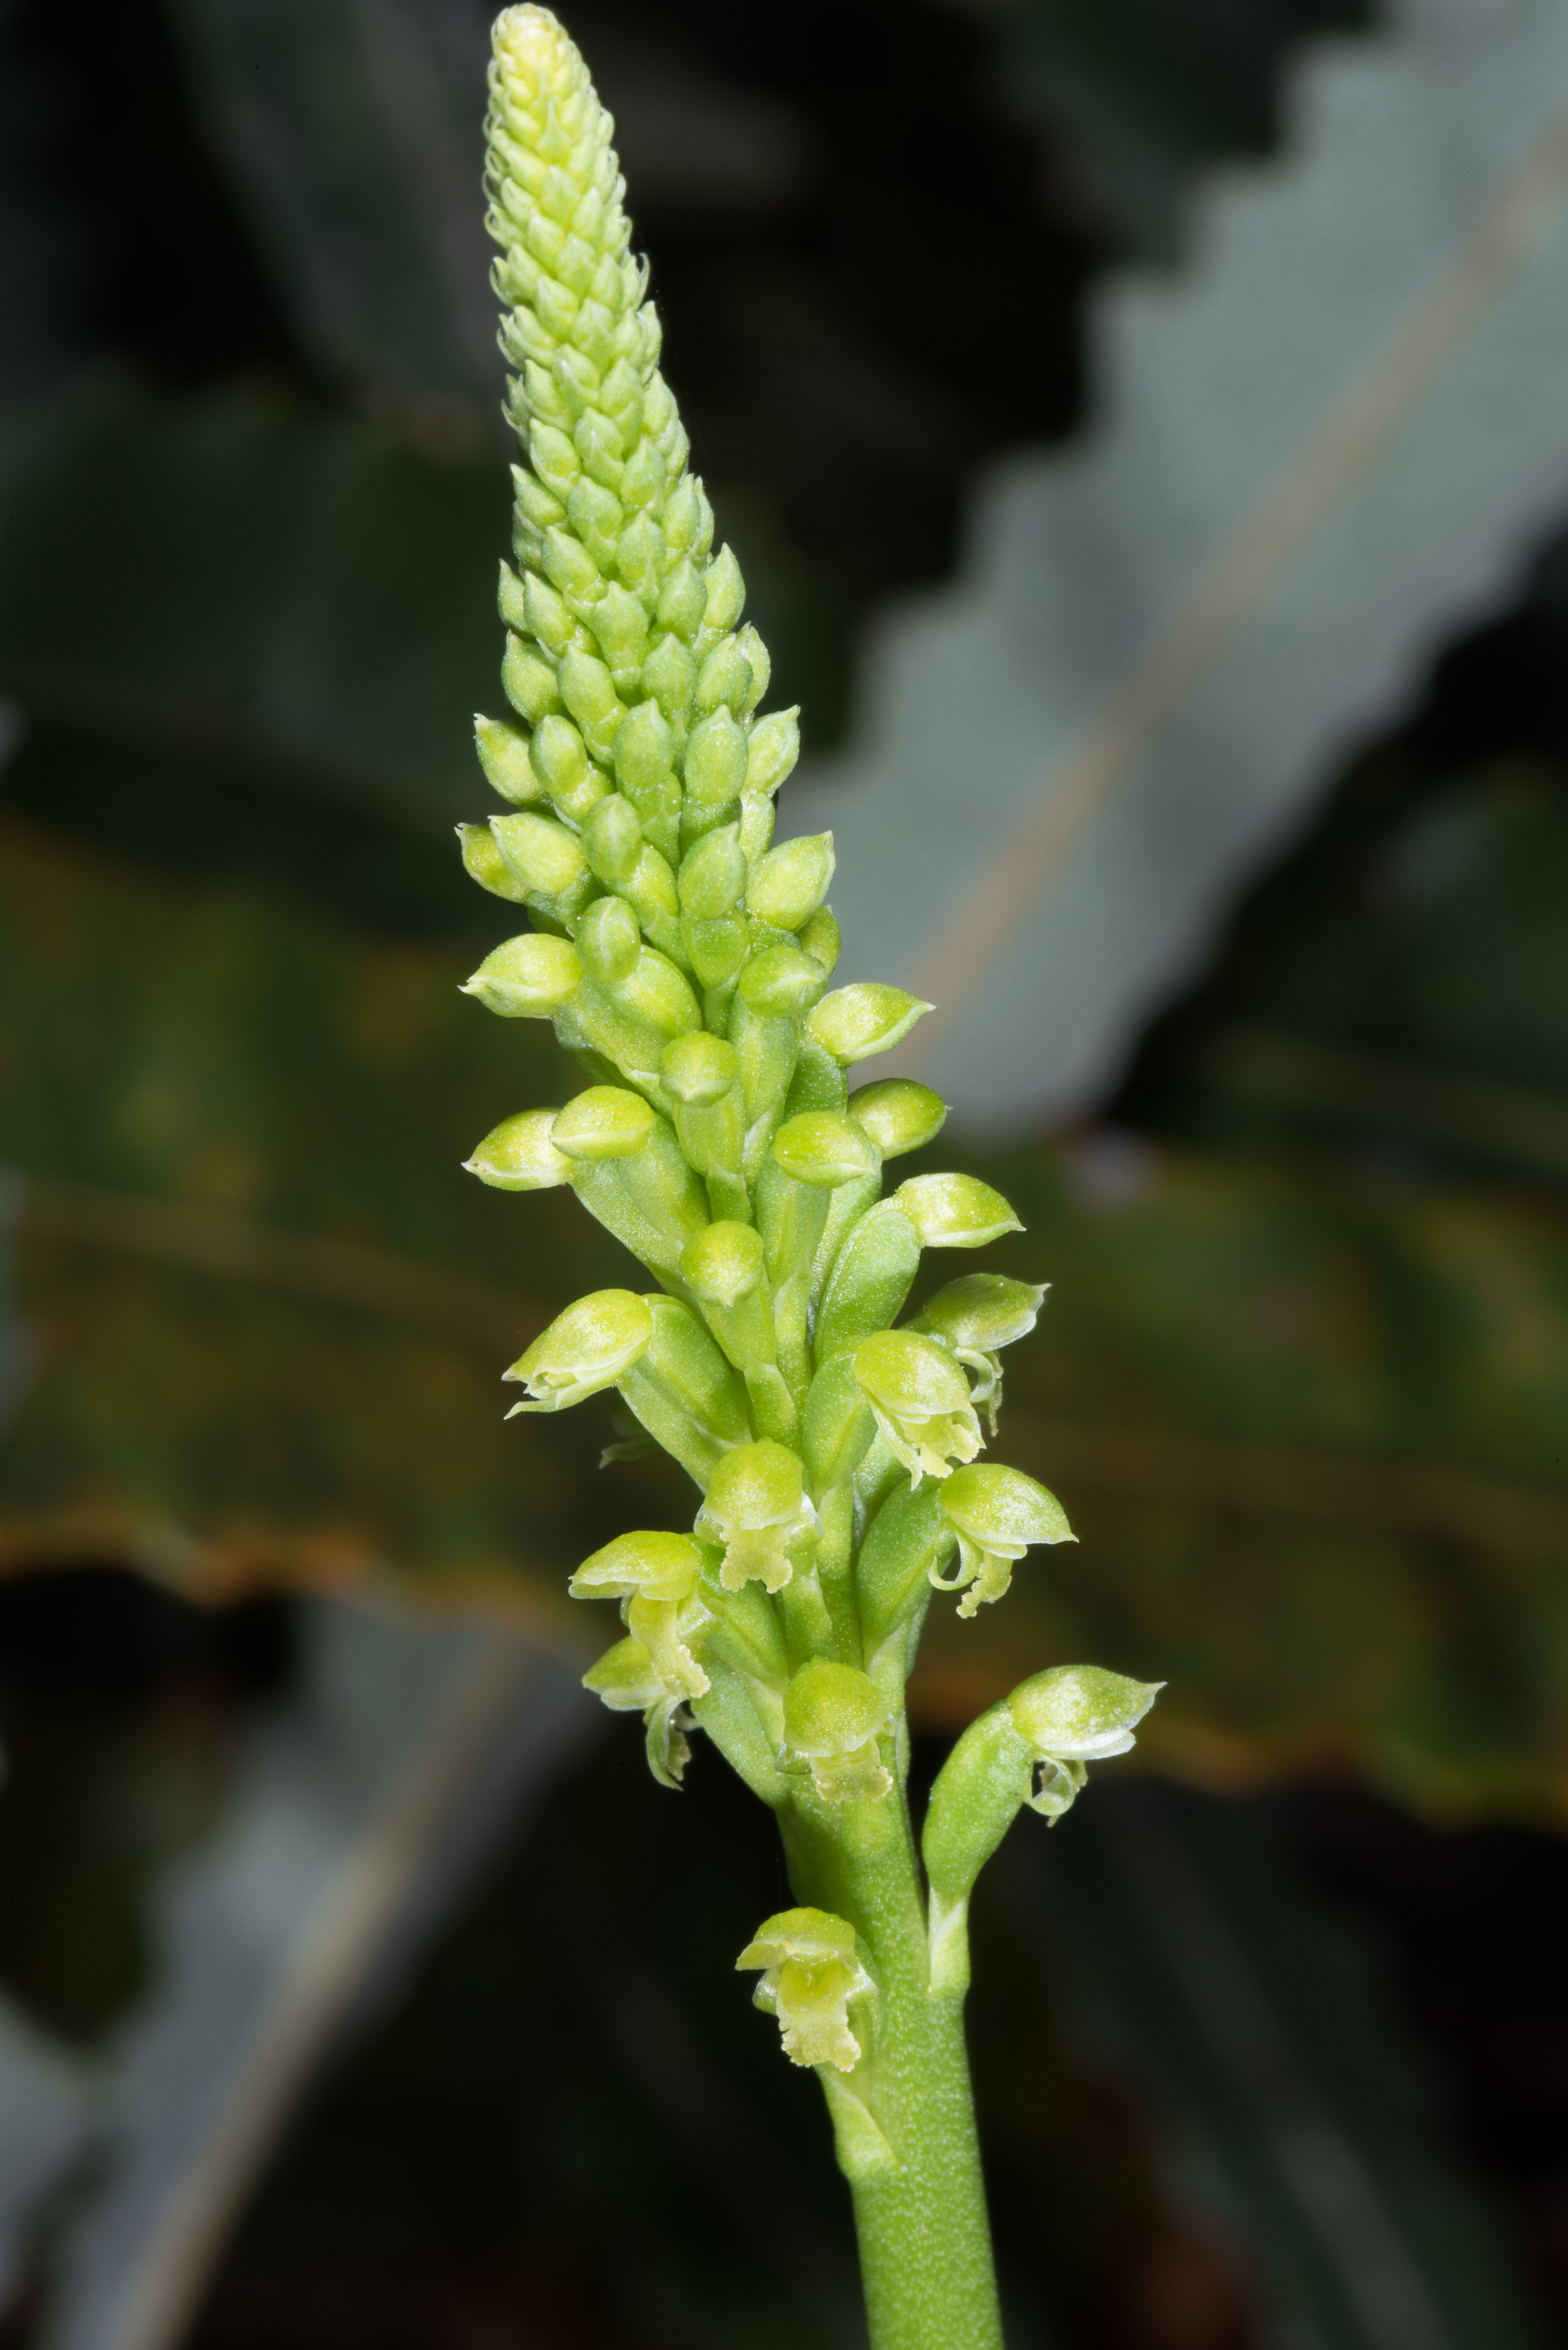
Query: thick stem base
point(904, 2118)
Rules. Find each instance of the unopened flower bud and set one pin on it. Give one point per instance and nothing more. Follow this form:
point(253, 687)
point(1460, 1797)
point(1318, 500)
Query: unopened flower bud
point(773, 751)
point(548, 860)
point(588, 691)
point(780, 982)
point(715, 764)
point(484, 863)
point(504, 755)
point(681, 601)
point(670, 677)
point(724, 679)
point(757, 1507)
point(725, 1267)
point(996, 1512)
point(811, 1973)
point(700, 1072)
point(604, 1122)
point(724, 1263)
point(620, 624)
point(568, 564)
point(527, 978)
point(519, 1156)
point(650, 892)
point(955, 1210)
point(789, 882)
point(659, 993)
point(726, 591)
point(609, 940)
point(759, 662)
point(854, 1022)
point(612, 840)
point(834, 1715)
point(528, 683)
point(897, 1114)
point(921, 1399)
point(712, 876)
point(644, 758)
point(591, 1346)
point(560, 758)
point(818, 1146)
point(716, 949)
point(819, 938)
point(700, 1068)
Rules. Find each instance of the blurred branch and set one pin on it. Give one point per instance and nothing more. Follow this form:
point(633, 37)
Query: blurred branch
point(1334, 1489)
point(234, 1248)
point(1500, 1120)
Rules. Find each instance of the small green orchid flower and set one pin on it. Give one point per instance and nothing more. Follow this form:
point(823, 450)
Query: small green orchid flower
point(921, 1399)
point(811, 1972)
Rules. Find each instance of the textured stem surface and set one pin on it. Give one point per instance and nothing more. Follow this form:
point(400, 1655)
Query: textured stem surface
point(920, 2217)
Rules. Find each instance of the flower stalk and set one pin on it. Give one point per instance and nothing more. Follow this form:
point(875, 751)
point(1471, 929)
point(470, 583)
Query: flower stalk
point(686, 961)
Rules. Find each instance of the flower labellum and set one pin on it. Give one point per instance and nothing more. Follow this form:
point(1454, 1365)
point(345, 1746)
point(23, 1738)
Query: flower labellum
point(811, 1973)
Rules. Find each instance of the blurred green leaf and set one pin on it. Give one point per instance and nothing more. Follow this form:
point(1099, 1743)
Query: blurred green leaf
point(1307, 1423)
point(354, 137)
point(297, 600)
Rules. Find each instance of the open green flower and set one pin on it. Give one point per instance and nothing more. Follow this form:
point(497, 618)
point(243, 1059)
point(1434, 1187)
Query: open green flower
point(977, 1315)
point(585, 1349)
point(811, 1973)
point(656, 1576)
point(627, 1679)
point(996, 1512)
point(1072, 1716)
point(757, 1507)
point(834, 1715)
point(921, 1399)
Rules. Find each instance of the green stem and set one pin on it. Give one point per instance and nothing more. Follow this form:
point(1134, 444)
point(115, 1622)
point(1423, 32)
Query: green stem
point(904, 2119)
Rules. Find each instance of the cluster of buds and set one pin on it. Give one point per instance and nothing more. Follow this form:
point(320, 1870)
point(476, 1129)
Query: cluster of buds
point(684, 960)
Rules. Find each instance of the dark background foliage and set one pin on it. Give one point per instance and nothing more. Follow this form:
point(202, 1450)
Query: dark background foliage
point(244, 611)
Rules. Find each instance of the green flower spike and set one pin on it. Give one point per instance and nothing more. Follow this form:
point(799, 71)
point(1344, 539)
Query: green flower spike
point(811, 1973)
point(685, 963)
